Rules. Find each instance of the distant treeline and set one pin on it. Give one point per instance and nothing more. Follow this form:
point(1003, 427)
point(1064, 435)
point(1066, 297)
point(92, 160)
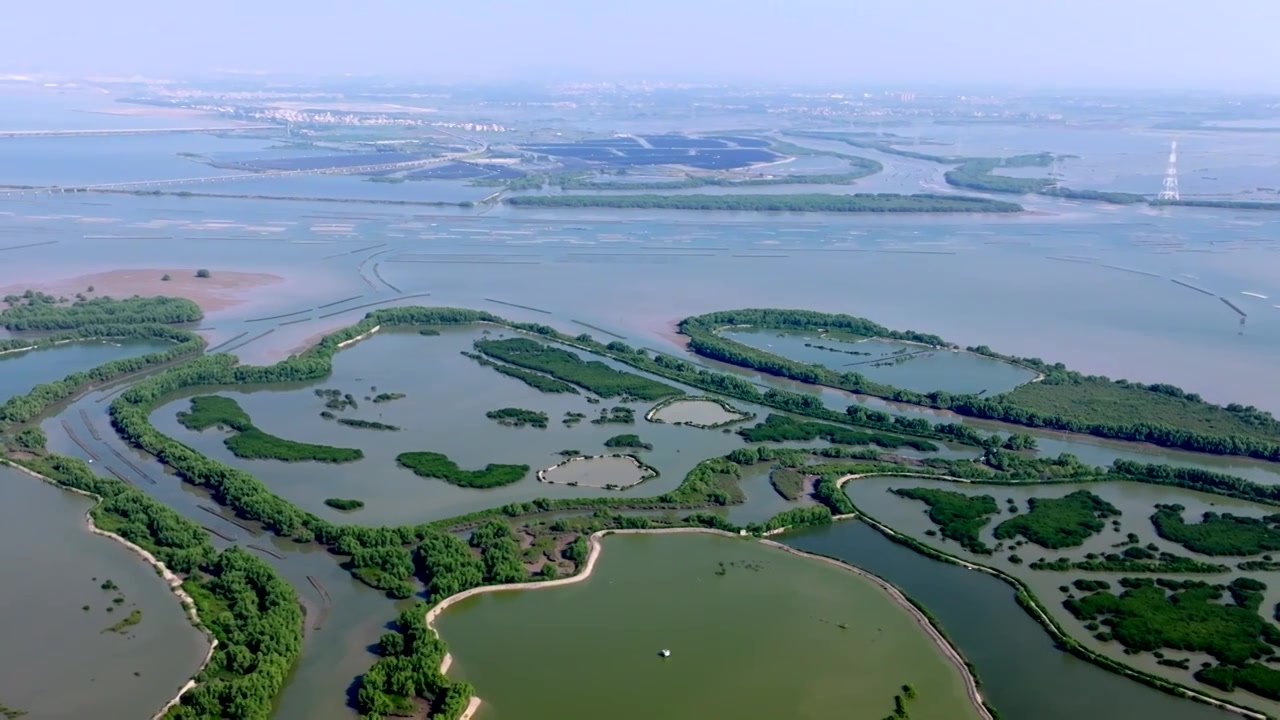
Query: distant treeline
point(812, 202)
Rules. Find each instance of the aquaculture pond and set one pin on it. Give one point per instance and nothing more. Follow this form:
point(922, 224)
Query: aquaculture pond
point(1018, 556)
point(914, 367)
point(697, 411)
point(1024, 675)
point(618, 472)
point(21, 371)
point(753, 632)
point(69, 598)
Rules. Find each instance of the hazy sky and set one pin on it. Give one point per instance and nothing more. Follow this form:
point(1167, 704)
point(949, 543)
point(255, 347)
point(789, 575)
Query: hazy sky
point(1209, 44)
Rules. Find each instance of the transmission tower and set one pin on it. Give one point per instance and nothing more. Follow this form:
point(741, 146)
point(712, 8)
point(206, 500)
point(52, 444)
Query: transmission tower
point(1170, 189)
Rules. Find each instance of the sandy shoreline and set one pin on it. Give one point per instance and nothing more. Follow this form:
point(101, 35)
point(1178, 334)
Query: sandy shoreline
point(221, 290)
point(945, 647)
point(171, 579)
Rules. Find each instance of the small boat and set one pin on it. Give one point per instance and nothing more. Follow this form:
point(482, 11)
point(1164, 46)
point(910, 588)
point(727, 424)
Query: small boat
point(665, 653)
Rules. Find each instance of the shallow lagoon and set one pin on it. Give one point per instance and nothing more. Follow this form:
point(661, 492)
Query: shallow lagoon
point(760, 641)
point(21, 371)
point(903, 365)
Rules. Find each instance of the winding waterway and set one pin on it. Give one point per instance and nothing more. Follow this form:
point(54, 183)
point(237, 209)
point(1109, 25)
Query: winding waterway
point(1022, 673)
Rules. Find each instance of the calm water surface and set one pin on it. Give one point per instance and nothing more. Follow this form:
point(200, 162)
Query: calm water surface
point(760, 641)
point(1023, 674)
point(51, 566)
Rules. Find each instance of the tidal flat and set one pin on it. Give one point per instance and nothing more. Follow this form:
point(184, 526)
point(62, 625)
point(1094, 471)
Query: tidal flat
point(753, 632)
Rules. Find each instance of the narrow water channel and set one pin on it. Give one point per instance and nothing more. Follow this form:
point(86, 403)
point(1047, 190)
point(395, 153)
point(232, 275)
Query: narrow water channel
point(1023, 674)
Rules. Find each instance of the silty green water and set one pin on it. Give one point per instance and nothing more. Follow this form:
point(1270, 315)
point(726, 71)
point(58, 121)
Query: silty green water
point(762, 640)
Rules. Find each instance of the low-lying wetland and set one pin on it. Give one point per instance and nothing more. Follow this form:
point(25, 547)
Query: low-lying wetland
point(394, 495)
point(1101, 532)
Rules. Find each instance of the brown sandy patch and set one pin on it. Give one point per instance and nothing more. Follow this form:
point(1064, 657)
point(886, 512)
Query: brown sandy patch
point(223, 289)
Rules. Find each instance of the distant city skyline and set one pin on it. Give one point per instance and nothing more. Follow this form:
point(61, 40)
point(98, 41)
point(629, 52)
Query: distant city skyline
point(1105, 44)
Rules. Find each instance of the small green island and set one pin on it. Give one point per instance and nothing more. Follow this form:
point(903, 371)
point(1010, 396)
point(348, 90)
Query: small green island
point(367, 424)
point(438, 465)
point(344, 504)
point(627, 441)
point(247, 441)
point(1059, 522)
point(123, 626)
point(387, 397)
point(518, 417)
point(1218, 533)
point(959, 516)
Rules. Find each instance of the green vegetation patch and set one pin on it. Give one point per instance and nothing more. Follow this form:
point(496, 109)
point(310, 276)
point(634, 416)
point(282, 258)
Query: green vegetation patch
point(9, 713)
point(616, 415)
point(1060, 522)
point(1218, 534)
point(592, 375)
point(627, 441)
point(788, 482)
point(537, 381)
point(438, 465)
point(771, 202)
point(123, 626)
point(1188, 615)
point(367, 424)
point(387, 397)
point(783, 428)
point(518, 417)
point(249, 442)
point(1132, 559)
point(344, 504)
point(959, 516)
point(35, 311)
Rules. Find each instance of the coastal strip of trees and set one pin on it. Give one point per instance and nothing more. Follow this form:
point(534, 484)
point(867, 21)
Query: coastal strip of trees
point(36, 311)
point(1157, 413)
point(135, 318)
point(770, 202)
point(245, 604)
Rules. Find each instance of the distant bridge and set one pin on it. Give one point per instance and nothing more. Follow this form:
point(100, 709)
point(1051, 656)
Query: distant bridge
point(130, 131)
point(157, 184)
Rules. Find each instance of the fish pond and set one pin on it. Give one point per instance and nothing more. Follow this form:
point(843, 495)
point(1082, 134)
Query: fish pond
point(753, 632)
